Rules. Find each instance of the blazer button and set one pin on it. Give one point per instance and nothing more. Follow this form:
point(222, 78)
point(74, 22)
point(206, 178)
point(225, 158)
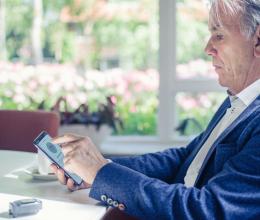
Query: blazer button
point(115, 204)
point(121, 206)
point(110, 201)
point(103, 198)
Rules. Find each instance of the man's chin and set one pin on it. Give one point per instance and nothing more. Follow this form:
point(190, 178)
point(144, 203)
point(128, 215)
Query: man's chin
point(221, 82)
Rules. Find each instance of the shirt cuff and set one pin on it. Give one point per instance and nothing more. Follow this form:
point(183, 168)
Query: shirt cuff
point(109, 161)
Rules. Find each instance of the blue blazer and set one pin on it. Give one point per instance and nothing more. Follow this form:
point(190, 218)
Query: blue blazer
point(228, 185)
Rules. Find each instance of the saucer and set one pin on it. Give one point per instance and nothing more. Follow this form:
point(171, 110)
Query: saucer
point(33, 171)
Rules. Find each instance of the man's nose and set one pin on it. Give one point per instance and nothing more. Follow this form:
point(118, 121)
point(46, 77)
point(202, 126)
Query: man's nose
point(210, 49)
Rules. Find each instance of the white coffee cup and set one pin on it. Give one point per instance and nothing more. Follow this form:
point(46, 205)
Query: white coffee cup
point(43, 163)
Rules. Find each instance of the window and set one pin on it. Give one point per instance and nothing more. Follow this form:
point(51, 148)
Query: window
point(164, 87)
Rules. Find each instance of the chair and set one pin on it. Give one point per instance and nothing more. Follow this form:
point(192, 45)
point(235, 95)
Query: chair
point(18, 129)
point(116, 214)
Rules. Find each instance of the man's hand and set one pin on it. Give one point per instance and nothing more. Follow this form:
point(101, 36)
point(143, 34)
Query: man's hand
point(80, 157)
point(68, 181)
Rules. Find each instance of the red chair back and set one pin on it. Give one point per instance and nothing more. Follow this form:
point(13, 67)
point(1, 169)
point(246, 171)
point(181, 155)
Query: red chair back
point(18, 129)
point(116, 214)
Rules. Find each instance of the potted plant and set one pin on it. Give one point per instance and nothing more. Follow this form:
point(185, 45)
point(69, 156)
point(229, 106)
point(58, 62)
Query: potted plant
point(96, 125)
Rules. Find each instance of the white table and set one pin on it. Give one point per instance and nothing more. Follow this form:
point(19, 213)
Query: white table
point(58, 202)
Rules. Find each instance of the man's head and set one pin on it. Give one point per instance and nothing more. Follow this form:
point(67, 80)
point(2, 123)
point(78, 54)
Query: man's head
point(235, 42)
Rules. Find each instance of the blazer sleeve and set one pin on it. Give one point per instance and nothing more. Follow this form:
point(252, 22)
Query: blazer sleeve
point(234, 193)
point(161, 165)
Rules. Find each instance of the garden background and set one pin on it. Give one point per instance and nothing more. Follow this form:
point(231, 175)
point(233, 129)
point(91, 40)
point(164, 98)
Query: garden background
point(86, 50)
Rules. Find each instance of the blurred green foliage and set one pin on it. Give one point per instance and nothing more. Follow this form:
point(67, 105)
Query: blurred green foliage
point(191, 38)
point(131, 38)
point(18, 23)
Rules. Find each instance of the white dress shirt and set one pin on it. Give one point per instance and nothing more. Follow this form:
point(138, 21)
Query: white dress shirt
point(238, 104)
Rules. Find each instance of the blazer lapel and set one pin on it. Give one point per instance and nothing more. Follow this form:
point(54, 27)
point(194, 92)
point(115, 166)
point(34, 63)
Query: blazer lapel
point(218, 115)
point(246, 113)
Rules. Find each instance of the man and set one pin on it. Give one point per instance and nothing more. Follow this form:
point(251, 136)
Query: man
point(217, 176)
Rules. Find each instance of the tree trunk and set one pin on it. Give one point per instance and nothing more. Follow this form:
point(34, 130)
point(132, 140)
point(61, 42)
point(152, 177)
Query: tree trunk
point(3, 54)
point(36, 32)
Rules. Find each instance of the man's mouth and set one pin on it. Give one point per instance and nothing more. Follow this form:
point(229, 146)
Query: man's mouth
point(217, 66)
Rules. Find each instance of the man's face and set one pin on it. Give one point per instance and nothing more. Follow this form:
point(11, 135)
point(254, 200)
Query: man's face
point(232, 53)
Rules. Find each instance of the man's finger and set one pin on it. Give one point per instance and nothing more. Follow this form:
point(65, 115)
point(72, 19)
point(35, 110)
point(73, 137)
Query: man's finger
point(61, 176)
point(67, 147)
point(65, 138)
point(70, 184)
point(67, 161)
point(54, 168)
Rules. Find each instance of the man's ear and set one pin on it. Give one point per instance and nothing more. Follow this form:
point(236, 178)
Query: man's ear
point(257, 42)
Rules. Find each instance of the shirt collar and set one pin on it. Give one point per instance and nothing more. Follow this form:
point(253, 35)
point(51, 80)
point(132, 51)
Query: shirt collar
point(249, 94)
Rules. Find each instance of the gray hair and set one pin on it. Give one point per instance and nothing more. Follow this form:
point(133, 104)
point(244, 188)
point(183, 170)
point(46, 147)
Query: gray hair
point(248, 9)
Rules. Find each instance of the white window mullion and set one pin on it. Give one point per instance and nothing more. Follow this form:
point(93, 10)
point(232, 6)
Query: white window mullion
point(167, 68)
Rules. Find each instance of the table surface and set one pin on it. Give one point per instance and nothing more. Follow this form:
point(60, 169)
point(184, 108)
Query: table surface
point(58, 201)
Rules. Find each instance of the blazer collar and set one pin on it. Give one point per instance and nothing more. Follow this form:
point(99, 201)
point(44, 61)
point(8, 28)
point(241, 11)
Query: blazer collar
point(218, 115)
point(245, 114)
point(212, 124)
